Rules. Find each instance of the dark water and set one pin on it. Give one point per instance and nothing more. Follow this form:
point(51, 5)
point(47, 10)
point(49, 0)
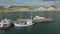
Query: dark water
point(41, 28)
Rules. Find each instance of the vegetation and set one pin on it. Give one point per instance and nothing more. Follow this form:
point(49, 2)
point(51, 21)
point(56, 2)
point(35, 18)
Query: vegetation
point(31, 8)
point(17, 8)
point(21, 8)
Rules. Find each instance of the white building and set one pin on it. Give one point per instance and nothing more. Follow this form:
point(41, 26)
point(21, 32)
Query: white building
point(45, 8)
point(41, 8)
point(51, 8)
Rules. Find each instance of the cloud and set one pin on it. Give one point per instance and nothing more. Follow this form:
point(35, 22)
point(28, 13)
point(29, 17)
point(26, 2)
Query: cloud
point(28, 2)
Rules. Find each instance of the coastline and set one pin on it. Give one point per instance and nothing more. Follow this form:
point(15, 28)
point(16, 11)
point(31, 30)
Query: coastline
point(29, 9)
point(33, 11)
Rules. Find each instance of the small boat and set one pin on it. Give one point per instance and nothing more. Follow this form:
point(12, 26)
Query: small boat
point(4, 24)
point(23, 24)
point(38, 17)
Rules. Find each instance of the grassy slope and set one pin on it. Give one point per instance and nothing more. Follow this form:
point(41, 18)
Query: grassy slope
point(17, 9)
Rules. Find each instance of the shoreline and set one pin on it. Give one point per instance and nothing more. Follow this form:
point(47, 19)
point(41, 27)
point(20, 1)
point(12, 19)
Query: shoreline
point(35, 11)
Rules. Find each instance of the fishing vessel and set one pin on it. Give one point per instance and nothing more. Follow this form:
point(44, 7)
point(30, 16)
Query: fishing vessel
point(24, 23)
point(5, 23)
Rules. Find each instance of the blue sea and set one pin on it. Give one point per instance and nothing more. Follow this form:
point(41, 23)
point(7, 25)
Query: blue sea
point(41, 28)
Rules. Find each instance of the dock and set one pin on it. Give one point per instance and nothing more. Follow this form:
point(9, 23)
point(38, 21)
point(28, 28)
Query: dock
point(36, 20)
point(43, 20)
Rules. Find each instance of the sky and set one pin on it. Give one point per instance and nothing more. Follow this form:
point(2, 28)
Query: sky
point(29, 2)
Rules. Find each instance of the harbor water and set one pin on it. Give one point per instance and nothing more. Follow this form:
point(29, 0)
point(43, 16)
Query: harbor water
point(40, 28)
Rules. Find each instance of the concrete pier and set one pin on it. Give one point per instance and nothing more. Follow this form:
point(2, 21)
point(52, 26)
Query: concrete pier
point(43, 20)
point(36, 20)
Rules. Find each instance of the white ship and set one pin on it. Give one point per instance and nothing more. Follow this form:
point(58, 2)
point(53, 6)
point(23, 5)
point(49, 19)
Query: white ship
point(24, 23)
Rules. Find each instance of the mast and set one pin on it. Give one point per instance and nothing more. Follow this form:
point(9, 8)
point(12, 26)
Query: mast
point(2, 10)
point(31, 15)
point(31, 11)
point(20, 15)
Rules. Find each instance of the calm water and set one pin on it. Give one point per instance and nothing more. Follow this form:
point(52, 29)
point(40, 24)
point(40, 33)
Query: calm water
point(41, 28)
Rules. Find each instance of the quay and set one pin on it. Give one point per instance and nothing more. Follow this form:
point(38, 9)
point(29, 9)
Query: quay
point(43, 20)
point(36, 20)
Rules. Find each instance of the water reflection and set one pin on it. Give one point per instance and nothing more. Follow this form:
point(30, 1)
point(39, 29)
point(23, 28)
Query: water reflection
point(22, 28)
